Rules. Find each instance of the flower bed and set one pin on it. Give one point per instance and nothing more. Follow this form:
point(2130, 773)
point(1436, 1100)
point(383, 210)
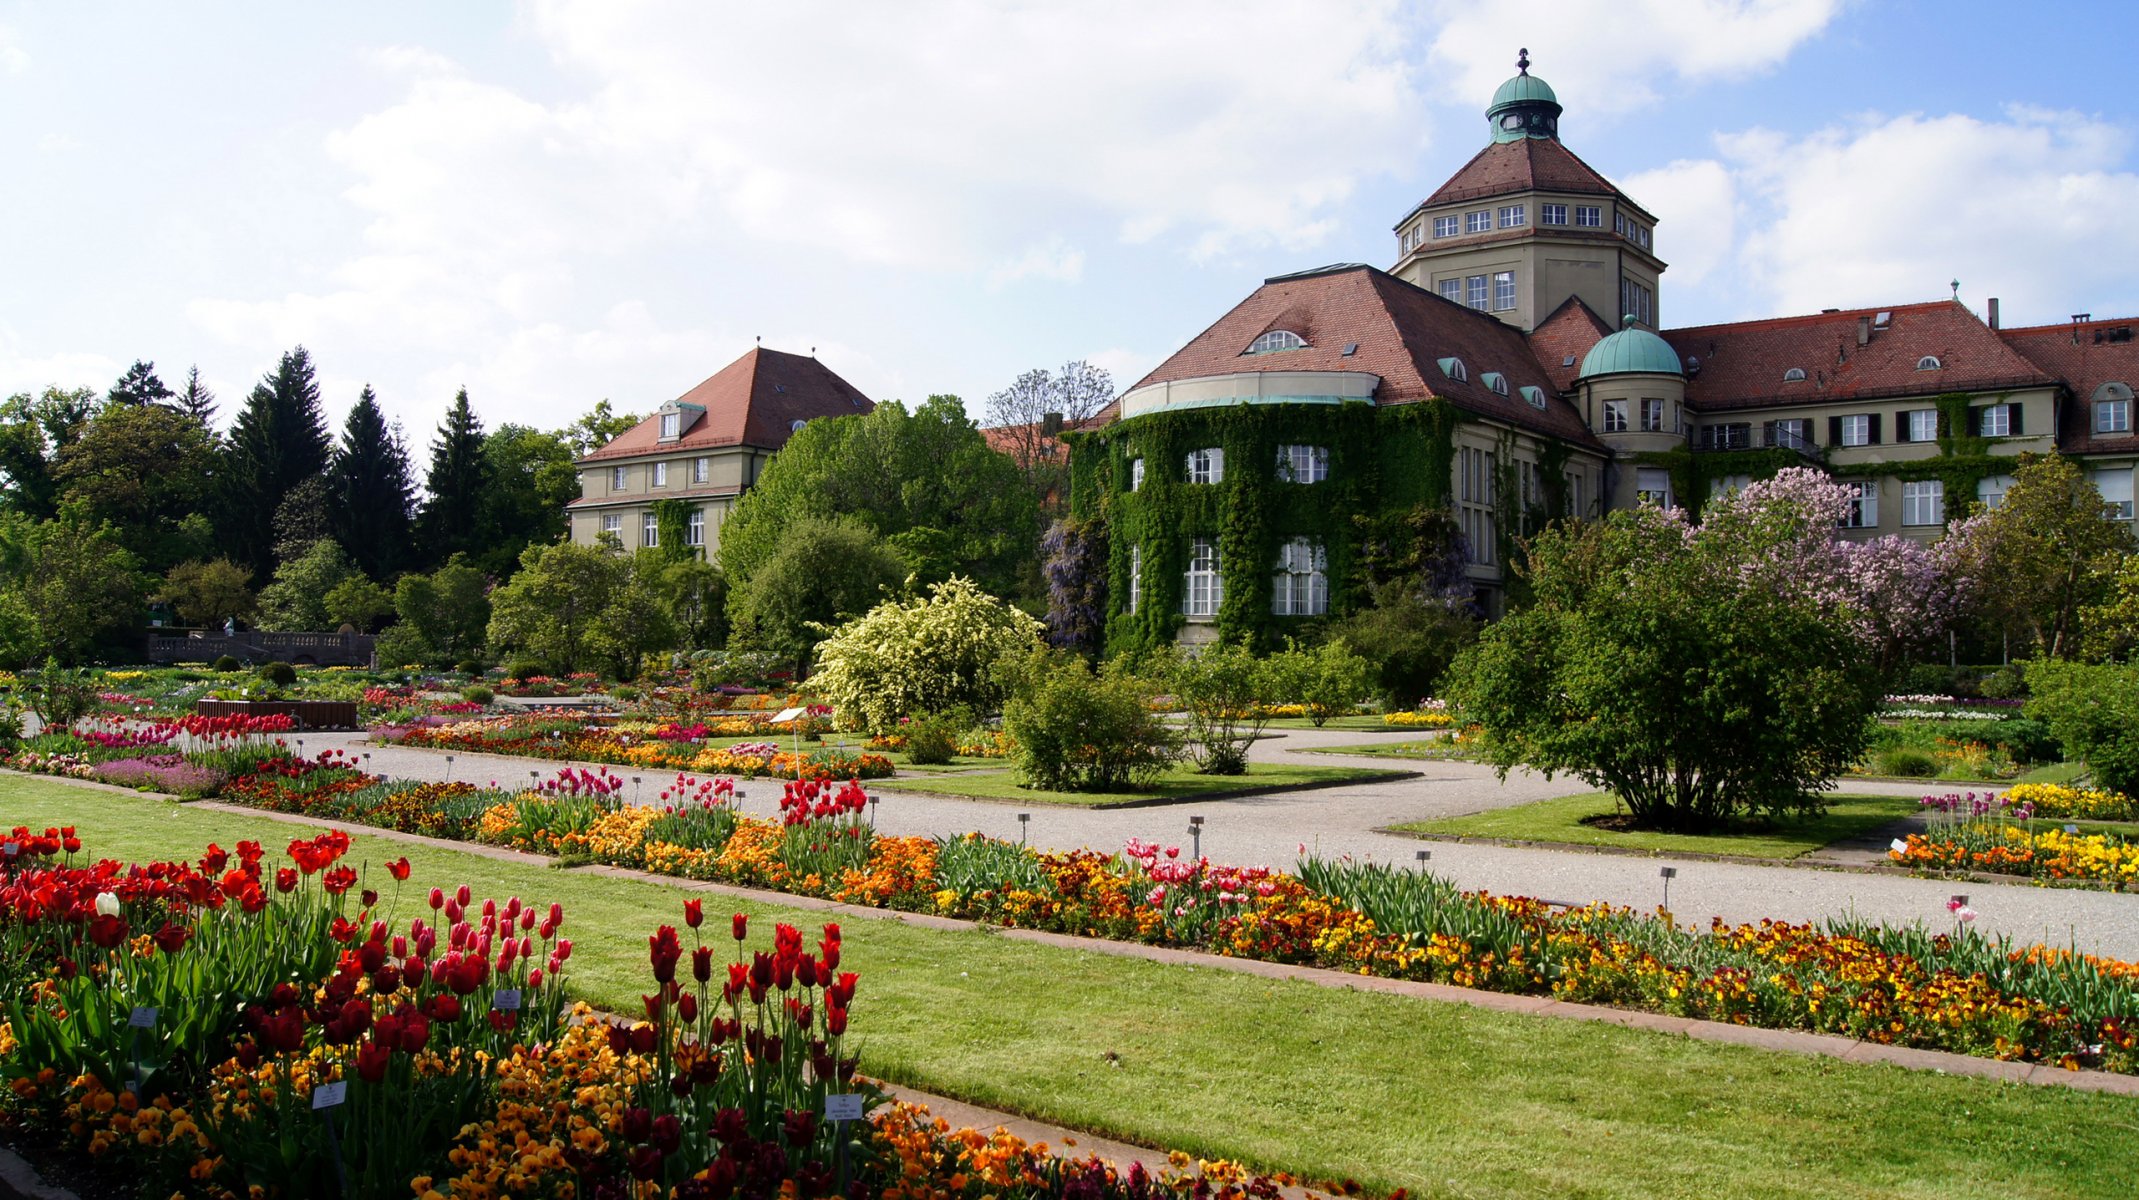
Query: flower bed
point(226, 1029)
point(560, 738)
point(2080, 804)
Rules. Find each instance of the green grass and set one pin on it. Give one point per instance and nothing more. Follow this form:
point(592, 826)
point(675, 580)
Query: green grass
point(1445, 1100)
point(1357, 723)
point(1560, 820)
point(2063, 772)
point(1180, 783)
point(1439, 749)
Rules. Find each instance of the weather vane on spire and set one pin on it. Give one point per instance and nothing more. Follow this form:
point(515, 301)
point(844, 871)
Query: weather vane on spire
point(1522, 61)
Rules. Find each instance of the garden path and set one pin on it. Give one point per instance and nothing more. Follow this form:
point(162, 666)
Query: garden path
point(1269, 829)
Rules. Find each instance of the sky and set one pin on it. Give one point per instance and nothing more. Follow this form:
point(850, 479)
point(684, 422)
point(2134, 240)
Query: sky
point(560, 201)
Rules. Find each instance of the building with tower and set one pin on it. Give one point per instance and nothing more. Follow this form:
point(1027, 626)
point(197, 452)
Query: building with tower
point(1511, 368)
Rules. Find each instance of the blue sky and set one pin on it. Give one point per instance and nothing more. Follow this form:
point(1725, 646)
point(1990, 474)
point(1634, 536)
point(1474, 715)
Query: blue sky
point(566, 200)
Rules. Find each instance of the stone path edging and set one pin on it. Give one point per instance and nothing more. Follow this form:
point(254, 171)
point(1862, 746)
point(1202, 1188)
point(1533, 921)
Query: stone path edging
point(915, 785)
point(1791, 1041)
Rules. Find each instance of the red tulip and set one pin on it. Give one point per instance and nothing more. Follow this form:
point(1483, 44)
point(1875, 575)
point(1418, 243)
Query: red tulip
point(739, 925)
point(171, 938)
point(398, 868)
point(694, 913)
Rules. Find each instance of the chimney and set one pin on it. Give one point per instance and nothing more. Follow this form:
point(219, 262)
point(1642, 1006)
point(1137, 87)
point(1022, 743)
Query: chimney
point(1051, 424)
point(1864, 331)
point(1993, 312)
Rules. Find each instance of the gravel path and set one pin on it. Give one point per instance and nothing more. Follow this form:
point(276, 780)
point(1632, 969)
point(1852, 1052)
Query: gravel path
point(1333, 821)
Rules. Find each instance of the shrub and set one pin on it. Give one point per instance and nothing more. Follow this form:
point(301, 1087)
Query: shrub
point(625, 692)
point(400, 646)
point(1224, 689)
point(2005, 683)
point(2023, 739)
point(525, 668)
point(1081, 731)
point(933, 739)
point(1927, 679)
point(1329, 681)
point(281, 674)
point(477, 694)
point(1905, 763)
point(469, 667)
point(904, 658)
point(227, 663)
point(2094, 712)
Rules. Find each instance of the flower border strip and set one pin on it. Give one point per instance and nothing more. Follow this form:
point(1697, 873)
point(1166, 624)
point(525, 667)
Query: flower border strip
point(1789, 1041)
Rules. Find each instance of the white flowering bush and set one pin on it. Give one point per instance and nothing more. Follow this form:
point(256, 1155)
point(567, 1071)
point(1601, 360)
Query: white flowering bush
point(913, 657)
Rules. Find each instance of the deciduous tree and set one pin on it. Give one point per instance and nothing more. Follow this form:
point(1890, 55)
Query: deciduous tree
point(824, 571)
point(142, 469)
point(2052, 549)
point(208, 593)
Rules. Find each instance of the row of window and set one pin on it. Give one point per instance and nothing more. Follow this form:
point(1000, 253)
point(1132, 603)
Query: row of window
point(1298, 588)
point(1652, 412)
point(1637, 300)
point(1515, 216)
point(1631, 229)
point(694, 528)
point(1923, 501)
point(1864, 429)
point(1295, 464)
point(1494, 292)
point(701, 471)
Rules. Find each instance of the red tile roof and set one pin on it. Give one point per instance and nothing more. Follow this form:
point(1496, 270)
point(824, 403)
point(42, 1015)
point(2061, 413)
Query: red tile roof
point(1560, 340)
point(2085, 355)
point(1399, 331)
point(753, 401)
point(1742, 363)
point(1526, 165)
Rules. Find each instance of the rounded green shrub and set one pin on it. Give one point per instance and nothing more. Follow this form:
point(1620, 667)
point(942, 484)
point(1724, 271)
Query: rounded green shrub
point(227, 663)
point(1905, 764)
point(1078, 731)
point(281, 674)
point(525, 668)
point(932, 740)
point(477, 694)
point(468, 667)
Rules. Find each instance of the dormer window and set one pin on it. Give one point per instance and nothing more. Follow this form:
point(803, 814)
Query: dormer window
point(1794, 375)
point(1276, 340)
point(1928, 362)
point(2113, 408)
point(796, 426)
point(671, 426)
point(676, 419)
point(1454, 369)
point(1495, 382)
point(1535, 395)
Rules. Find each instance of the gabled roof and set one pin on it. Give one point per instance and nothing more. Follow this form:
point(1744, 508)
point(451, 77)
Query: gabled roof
point(1560, 340)
point(1741, 364)
point(1526, 165)
point(753, 401)
point(1399, 332)
point(2085, 355)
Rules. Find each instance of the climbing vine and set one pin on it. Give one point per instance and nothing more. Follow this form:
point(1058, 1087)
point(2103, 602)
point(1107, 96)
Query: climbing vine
point(672, 519)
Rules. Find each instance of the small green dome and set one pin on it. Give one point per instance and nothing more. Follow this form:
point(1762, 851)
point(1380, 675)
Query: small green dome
point(1520, 89)
point(1632, 351)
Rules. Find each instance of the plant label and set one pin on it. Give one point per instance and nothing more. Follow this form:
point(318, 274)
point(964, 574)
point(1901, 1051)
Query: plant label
point(11, 849)
point(328, 1095)
point(505, 1000)
point(142, 1018)
point(843, 1108)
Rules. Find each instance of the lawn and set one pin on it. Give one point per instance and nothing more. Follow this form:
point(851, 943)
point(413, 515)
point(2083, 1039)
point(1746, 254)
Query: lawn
point(1180, 783)
point(1560, 820)
point(1436, 748)
point(1444, 1100)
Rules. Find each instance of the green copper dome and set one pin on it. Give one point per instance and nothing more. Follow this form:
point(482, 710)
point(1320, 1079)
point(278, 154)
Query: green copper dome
point(1524, 107)
point(1632, 351)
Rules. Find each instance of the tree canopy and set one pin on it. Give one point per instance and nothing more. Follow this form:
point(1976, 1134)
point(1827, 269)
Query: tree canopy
point(372, 488)
point(279, 440)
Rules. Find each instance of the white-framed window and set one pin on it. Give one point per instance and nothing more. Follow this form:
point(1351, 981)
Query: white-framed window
point(1552, 214)
point(1535, 395)
point(1474, 293)
point(1503, 290)
point(1454, 369)
point(1495, 382)
point(1203, 588)
point(1513, 215)
point(653, 530)
point(660, 474)
point(701, 470)
point(1792, 433)
point(1615, 416)
point(1136, 579)
point(1478, 222)
point(2115, 484)
point(1991, 490)
point(2112, 416)
point(1302, 464)
point(1923, 502)
point(1275, 340)
point(1136, 474)
point(1652, 415)
point(1994, 420)
point(1724, 485)
point(616, 479)
point(1446, 227)
point(1737, 435)
point(1636, 299)
point(1857, 430)
point(1794, 375)
point(1619, 224)
point(1652, 485)
point(694, 533)
point(1928, 362)
point(1301, 587)
point(1206, 466)
point(1452, 289)
point(1589, 216)
point(1474, 500)
point(613, 523)
point(1923, 424)
point(1411, 237)
point(671, 425)
point(1863, 505)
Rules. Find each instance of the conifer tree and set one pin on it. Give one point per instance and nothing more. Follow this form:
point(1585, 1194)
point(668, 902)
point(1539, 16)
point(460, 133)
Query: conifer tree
point(373, 494)
point(452, 513)
point(278, 441)
point(195, 400)
point(139, 386)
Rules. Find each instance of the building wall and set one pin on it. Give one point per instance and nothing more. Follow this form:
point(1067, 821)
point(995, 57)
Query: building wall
point(1551, 262)
point(728, 472)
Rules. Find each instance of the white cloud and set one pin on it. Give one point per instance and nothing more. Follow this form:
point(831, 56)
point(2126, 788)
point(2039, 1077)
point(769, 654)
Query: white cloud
point(23, 370)
point(1696, 206)
point(1124, 365)
point(14, 60)
point(1612, 53)
point(2030, 208)
point(1053, 259)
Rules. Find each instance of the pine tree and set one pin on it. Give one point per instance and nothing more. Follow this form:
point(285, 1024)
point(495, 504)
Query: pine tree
point(452, 513)
point(196, 400)
point(138, 386)
point(372, 491)
point(278, 441)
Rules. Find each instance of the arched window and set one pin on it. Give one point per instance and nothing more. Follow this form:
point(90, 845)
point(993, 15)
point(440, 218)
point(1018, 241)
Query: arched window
point(796, 426)
point(1794, 375)
point(1275, 340)
point(1454, 369)
point(1301, 586)
point(1535, 395)
point(1204, 588)
point(1495, 382)
point(1928, 362)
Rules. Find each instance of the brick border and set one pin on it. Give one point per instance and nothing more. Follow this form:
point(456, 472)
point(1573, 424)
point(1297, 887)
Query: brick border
point(1791, 1041)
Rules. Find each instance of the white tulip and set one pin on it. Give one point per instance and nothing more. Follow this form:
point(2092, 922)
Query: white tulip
point(107, 904)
